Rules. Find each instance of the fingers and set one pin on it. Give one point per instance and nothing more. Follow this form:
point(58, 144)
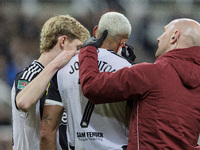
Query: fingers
point(130, 49)
point(77, 52)
point(65, 57)
point(123, 52)
point(96, 42)
point(104, 35)
point(68, 54)
point(72, 52)
point(101, 39)
point(89, 41)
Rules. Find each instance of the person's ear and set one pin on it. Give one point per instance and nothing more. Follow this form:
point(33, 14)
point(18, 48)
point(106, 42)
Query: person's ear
point(95, 30)
point(123, 41)
point(121, 44)
point(175, 37)
point(62, 41)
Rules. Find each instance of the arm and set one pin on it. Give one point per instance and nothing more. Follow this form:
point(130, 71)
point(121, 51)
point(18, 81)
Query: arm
point(50, 122)
point(104, 87)
point(30, 95)
point(92, 81)
point(52, 113)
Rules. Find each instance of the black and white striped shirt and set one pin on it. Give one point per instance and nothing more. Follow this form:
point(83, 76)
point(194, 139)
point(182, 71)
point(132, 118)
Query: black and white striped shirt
point(26, 125)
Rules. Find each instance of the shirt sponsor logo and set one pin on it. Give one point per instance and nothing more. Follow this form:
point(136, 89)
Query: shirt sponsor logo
point(21, 84)
point(84, 136)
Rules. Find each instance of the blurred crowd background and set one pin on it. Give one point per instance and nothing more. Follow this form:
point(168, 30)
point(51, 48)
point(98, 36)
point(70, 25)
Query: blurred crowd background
point(22, 20)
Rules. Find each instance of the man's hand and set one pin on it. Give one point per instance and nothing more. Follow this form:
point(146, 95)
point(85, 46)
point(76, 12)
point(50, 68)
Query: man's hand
point(63, 58)
point(131, 55)
point(96, 42)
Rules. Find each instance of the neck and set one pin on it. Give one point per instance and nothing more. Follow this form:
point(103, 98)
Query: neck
point(46, 57)
point(110, 45)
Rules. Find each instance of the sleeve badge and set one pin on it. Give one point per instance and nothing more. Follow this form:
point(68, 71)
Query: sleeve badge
point(21, 84)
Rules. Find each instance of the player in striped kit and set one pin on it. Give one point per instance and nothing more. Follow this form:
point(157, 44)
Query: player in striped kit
point(99, 127)
point(61, 36)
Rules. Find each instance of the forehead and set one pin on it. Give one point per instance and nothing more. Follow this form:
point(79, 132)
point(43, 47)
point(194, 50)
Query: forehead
point(170, 25)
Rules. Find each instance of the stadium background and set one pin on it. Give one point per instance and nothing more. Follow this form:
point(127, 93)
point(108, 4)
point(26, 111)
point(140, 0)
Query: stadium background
point(21, 22)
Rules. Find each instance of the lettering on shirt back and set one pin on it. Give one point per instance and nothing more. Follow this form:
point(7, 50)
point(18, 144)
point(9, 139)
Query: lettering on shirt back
point(102, 65)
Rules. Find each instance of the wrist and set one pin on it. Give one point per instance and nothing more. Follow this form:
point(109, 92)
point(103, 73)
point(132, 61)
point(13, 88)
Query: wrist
point(52, 67)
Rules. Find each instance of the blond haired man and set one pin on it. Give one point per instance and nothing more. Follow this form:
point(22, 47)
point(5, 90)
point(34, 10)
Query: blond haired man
point(61, 37)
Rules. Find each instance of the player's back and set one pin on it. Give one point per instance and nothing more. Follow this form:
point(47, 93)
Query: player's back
point(102, 126)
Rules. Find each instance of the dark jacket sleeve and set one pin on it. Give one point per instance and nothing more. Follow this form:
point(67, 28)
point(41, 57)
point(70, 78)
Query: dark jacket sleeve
point(106, 87)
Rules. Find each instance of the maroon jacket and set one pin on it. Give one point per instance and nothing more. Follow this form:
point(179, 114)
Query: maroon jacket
point(166, 114)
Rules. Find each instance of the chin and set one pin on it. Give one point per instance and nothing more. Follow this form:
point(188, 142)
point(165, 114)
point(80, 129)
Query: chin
point(156, 55)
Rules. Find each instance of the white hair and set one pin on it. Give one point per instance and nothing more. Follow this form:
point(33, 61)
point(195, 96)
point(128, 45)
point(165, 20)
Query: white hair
point(116, 24)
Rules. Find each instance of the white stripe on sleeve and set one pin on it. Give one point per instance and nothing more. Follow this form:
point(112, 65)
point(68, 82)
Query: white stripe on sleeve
point(52, 102)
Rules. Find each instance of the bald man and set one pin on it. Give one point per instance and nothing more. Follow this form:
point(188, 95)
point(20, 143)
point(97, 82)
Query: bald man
point(166, 93)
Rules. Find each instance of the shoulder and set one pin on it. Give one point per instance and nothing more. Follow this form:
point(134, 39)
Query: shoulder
point(112, 57)
point(145, 67)
point(153, 70)
point(30, 71)
point(72, 67)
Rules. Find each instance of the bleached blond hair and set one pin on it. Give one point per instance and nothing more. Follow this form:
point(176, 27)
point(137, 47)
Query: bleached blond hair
point(116, 24)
